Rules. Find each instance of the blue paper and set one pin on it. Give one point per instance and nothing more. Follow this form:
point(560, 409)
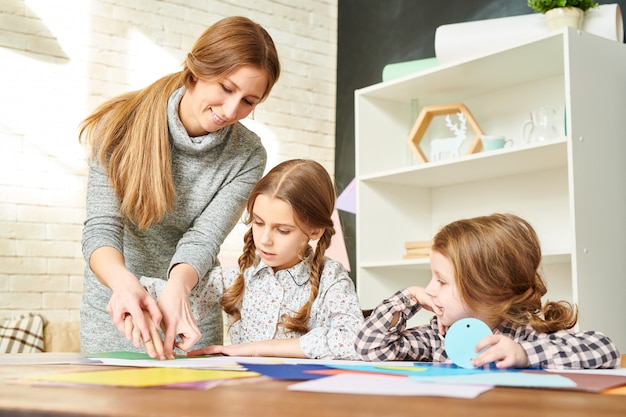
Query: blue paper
point(286, 371)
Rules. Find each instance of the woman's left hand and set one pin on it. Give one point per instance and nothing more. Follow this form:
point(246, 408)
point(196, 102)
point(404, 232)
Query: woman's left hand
point(178, 319)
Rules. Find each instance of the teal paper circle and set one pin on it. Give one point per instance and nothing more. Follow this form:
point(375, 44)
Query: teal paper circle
point(461, 339)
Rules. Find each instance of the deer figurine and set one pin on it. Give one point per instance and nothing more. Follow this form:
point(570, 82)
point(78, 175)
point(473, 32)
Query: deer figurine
point(450, 145)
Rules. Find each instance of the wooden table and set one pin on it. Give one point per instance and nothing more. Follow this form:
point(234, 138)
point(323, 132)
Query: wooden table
point(264, 397)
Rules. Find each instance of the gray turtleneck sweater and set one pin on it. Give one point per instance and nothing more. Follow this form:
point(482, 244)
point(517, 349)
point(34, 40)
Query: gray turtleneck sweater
point(213, 176)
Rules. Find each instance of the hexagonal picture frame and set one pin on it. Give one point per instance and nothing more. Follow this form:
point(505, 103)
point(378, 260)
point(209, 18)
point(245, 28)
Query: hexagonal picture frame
point(452, 144)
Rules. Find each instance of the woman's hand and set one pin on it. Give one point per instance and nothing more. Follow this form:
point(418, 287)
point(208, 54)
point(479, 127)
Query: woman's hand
point(130, 299)
point(178, 319)
point(154, 345)
point(505, 352)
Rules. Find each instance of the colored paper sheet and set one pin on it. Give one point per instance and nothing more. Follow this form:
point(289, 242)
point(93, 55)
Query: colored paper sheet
point(140, 377)
point(287, 371)
point(351, 383)
point(330, 371)
point(591, 381)
point(347, 199)
point(505, 379)
point(136, 359)
point(417, 370)
point(616, 391)
point(136, 356)
point(45, 358)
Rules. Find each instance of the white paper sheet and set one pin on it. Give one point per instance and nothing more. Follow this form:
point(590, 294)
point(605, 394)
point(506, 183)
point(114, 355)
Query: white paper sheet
point(459, 41)
point(387, 385)
point(214, 362)
point(51, 358)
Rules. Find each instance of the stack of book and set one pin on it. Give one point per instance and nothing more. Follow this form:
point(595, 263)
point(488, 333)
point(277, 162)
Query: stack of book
point(417, 249)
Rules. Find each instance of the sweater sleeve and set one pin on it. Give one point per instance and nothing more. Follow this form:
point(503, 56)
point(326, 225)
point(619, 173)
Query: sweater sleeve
point(200, 245)
point(103, 223)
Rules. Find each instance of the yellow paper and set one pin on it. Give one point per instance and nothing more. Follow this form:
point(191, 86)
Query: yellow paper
point(142, 377)
point(616, 391)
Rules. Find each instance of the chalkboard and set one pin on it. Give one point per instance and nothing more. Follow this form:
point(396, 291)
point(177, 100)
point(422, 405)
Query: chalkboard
point(372, 34)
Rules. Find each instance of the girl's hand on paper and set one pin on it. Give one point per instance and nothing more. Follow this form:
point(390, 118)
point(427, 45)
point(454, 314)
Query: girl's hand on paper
point(228, 350)
point(505, 352)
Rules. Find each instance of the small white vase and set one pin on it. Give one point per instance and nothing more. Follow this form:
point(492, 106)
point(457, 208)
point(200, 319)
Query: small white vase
point(561, 17)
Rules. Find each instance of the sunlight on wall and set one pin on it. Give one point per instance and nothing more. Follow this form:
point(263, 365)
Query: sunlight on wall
point(62, 58)
point(268, 138)
point(147, 62)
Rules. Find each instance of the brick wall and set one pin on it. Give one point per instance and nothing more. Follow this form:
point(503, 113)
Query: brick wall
point(60, 59)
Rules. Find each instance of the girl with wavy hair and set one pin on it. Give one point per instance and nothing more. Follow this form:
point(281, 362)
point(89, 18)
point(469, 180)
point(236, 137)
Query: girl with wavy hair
point(486, 268)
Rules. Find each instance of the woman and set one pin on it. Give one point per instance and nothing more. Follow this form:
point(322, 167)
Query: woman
point(170, 171)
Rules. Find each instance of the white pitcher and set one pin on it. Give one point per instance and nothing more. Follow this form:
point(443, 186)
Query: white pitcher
point(541, 126)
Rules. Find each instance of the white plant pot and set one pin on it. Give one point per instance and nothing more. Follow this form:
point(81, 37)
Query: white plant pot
point(561, 17)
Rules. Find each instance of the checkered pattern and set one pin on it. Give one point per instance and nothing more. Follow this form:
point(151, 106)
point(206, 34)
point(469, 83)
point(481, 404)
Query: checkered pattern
point(22, 334)
point(384, 336)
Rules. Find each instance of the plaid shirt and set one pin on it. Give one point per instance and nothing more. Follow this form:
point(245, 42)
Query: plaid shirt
point(384, 336)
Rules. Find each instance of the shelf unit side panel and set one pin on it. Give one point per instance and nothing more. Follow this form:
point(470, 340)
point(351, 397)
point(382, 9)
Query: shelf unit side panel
point(597, 80)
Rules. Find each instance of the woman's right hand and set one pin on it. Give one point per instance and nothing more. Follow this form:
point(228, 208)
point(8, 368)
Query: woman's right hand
point(129, 298)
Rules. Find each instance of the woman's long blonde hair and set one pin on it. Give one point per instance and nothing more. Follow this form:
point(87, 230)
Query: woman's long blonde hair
point(306, 186)
point(496, 262)
point(129, 134)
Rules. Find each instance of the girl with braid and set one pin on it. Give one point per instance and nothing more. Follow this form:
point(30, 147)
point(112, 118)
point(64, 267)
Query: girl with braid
point(285, 298)
point(486, 268)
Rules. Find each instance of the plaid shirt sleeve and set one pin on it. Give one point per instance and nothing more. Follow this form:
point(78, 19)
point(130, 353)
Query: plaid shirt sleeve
point(570, 350)
point(384, 337)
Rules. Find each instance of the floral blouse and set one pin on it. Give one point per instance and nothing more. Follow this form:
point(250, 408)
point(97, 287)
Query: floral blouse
point(335, 316)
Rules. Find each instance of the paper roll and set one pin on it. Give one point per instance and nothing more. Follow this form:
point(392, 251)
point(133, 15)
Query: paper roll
point(466, 40)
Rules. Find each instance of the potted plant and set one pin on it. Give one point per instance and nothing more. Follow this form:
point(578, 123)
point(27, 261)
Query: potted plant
point(561, 13)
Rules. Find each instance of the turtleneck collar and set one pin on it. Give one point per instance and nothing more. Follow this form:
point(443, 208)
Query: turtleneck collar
point(178, 134)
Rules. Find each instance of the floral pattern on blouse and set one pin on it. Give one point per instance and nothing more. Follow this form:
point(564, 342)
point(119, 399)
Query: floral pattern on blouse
point(335, 317)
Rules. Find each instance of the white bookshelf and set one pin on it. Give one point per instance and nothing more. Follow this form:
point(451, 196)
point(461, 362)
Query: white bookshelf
point(571, 189)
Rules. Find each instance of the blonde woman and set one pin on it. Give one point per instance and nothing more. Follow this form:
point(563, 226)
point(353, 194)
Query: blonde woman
point(171, 168)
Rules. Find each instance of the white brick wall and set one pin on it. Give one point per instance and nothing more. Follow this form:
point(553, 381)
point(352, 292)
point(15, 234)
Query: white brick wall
point(59, 59)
